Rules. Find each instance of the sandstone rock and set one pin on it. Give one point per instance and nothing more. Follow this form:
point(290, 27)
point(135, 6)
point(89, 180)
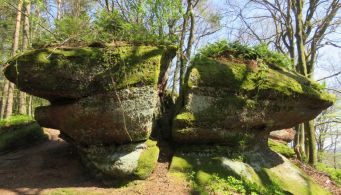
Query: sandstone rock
point(209, 167)
point(121, 117)
point(60, 74)
point(285, 135)
point(103, 101)
point(134, 160)
point(225, 99)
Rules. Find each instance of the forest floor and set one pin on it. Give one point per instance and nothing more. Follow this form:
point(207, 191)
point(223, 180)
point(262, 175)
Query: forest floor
point(53, 168)
point(319, 177)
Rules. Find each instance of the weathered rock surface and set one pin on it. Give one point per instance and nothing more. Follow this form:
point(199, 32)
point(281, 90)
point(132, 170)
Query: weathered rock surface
point(103, 100)
point(210, 167)
point(226, 99)
point(71, 73)
point(121, 117)
point(135, 160)
point(284, 135)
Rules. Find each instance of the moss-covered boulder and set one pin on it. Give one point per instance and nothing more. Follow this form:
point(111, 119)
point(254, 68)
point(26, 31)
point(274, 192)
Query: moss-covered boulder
point(120, 117)
point(219, 170)
point(226, 98)
point(122, 163)
point(72, 73)
point(103, 100)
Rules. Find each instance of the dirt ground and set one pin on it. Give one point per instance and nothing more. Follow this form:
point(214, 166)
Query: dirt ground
point(53, 167)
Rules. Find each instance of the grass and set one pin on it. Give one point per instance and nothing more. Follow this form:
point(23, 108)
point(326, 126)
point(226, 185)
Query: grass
point(335, 174)
point(281, 148)
point(19, 131)
point(14, 120)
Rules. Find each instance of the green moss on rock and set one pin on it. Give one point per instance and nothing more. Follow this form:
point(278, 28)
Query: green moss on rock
point(238, 77)
point(148, 160)
point(255, 172)
point(77, 72)
point(281, 148)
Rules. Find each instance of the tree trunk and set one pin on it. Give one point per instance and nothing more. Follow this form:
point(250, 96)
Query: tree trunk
point(4, 98)
point(335, 150)
point(9, 103)
point(26, 35)
point(59, 9)
point(309, 126)
point(30, 105)
point(10, 99)
point(302, 64)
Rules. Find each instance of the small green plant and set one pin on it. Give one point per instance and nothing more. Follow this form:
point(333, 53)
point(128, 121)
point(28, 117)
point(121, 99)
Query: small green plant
point(335, 174)
point(237, 50)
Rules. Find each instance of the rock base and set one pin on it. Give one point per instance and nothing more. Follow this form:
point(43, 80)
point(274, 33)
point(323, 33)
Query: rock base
point(115, 165)
point(218, 169)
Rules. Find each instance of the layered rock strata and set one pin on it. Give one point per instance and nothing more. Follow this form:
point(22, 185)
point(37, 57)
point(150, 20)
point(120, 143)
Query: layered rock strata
point(230, 107)
point(103, 100)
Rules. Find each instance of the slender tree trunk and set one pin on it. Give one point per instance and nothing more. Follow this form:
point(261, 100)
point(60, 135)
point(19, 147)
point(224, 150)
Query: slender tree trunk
point(184, 59)
point(9, 103)
point(180, 54)
point(299, 148)
point(4, 98)
point(335, 150)
point(30, 105)
point(26, 35)
point(302, 64)
point(59, 9)
point(309, 126)
point(10, 99)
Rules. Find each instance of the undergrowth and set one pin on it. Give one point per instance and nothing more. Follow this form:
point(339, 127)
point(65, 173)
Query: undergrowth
point(335, 174)
point(237, 50)
point(19, 131)
point(14, 120)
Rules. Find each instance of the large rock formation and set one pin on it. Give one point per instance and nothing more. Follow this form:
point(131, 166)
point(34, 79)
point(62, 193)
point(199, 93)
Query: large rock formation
point(103, 100)
point(225, 99)
point(230, 107)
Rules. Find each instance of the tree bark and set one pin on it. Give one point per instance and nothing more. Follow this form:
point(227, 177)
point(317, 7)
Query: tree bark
point(30, 105)
point(59, 9)
point(26, 35)
point(311, 142)
point(302, 65)
point(4, 98)
point(9, 103)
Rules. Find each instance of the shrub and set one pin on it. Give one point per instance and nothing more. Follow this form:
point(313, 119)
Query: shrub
point(237, 50)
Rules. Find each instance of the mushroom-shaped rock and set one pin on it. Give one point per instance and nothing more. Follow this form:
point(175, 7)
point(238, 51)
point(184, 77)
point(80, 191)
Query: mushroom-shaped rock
point(226, 98)
point(59, 74)
point(103, 100)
